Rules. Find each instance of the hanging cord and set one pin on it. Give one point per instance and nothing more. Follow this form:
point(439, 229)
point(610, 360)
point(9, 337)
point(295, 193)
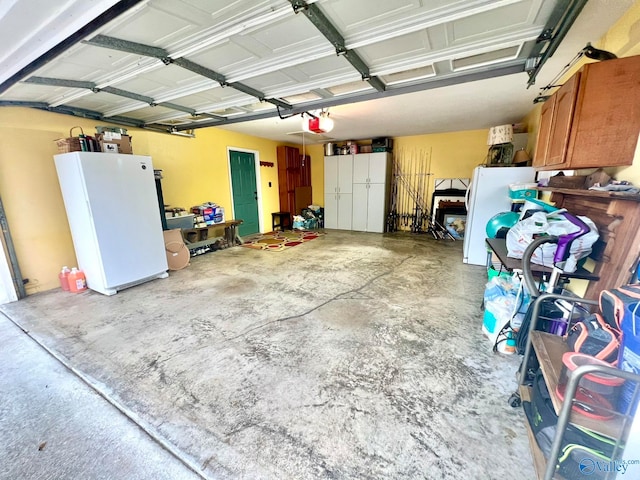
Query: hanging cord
point(287, 116)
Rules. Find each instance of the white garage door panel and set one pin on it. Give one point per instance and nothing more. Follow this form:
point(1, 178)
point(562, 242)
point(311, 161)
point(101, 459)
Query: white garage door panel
point(210, 99)
point(319, 68)
point(297, 34)
point(101, 101)
point(224, 58)
point(29, 92)
point(230, 10)
point(169, 76)
point(162, 27)
point(85, 62)
point(407, 46)
point(486, 24)
point(348, 17)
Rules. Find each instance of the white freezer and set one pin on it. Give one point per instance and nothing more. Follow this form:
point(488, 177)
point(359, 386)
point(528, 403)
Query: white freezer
point(488, 194)
point(113, 213)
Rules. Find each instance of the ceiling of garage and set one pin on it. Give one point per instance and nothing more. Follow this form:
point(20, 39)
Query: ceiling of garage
point(381, 67)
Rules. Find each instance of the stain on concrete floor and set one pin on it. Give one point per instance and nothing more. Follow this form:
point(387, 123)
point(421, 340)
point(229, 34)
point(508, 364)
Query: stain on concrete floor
point(353, 356)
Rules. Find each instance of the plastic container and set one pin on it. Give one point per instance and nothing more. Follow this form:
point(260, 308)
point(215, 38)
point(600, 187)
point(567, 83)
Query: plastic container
point(77, 281)
point(629, 356)
point(597, 393)
point(183, 221)
point(63, 276)
point(523, 191)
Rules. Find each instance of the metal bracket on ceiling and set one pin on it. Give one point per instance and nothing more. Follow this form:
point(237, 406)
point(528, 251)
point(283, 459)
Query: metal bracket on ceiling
point(546, 35)
point(331, 33)
point(560, 21)
point(94, 115)
point(298, 5)
point(161, 54)
point(59, 82)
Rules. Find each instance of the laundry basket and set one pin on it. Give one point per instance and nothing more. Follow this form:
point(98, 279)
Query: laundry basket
point(71, 143)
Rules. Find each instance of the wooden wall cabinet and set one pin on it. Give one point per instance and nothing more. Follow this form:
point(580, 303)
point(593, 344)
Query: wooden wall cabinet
point(593, 120)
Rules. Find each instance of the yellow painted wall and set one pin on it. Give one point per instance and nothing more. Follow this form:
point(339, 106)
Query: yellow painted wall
point(194, 170)
point(453, 155)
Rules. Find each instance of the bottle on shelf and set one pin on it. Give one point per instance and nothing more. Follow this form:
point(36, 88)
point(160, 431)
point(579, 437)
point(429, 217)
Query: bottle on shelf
point(64, 278)
point(77, 280)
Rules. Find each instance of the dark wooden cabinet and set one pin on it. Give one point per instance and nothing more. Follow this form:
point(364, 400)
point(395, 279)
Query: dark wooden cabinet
point(618, 220)
point(593, 120)
point(294, 179)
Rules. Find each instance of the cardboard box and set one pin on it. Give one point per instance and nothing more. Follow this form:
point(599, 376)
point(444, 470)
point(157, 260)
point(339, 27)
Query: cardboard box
point(205, 212)
point(112, 142)
point(218, 215)
point(177, 252)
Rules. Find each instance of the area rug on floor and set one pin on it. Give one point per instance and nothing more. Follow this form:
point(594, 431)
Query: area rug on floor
point(279, 241)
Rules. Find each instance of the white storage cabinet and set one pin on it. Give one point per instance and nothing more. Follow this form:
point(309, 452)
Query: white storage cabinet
point(371, 173)
point(338, 193)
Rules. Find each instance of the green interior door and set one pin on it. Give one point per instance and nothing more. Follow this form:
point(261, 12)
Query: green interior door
point(245, 192)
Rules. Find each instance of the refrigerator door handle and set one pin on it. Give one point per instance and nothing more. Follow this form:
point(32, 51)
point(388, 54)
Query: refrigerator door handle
point(466, 196)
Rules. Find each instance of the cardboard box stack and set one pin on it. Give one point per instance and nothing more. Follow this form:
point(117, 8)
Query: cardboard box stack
point(113, 140)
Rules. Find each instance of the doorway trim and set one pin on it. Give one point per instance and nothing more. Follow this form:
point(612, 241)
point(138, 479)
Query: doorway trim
point(10, 276)
point(256, 164)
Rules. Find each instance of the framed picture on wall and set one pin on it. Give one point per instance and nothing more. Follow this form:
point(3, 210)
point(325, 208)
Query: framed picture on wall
point(455, 225)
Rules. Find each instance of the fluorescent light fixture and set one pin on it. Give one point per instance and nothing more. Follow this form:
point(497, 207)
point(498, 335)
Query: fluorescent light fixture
point(187, 133)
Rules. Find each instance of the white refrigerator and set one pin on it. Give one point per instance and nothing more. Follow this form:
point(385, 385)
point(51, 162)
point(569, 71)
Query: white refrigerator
point(488, 194)
point(112, 209)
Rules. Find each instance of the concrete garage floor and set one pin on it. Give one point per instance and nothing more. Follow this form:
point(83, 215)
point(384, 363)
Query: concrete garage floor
point(351, 356)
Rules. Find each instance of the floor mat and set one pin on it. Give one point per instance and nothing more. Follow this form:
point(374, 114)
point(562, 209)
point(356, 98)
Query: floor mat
point(279, 241)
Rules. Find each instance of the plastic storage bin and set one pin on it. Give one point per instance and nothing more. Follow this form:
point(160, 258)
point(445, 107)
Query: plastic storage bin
point(629, 356)
point(184, 221)
point(523, 191)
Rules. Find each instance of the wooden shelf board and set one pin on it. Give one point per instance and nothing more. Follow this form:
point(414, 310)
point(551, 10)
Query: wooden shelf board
point(499, 247)
point(539, 462)
point(549, 350)
point(591, 193)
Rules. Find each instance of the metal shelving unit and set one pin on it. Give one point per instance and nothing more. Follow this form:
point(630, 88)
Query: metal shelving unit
point(549, 349)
